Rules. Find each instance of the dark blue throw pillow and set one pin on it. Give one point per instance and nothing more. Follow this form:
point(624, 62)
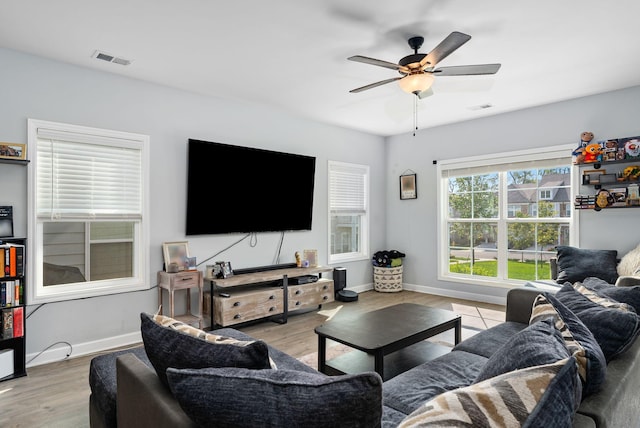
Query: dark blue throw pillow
point(576, 264)
point(169, 347)
point(629, 295)
point(614, 325)
point(578, 339)
point(540, 343)
point(234, 397)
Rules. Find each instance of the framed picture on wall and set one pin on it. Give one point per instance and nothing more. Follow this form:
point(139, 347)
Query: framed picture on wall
point(175, 252)
point(408, 188)
point(15, 151)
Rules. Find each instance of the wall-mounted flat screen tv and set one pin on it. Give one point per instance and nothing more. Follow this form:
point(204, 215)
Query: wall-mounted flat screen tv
point(234, 189)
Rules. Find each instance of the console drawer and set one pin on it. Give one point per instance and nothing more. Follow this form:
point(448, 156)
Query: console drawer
point(305, 295)
point(247, 305)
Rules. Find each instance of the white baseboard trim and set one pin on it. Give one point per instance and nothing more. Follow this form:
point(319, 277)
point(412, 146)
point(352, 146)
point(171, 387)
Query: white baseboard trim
point(497, 300)
point(61, 352)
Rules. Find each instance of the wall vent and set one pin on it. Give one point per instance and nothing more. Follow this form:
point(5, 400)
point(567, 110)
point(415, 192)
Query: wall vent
point(110, 58)
point(481, 107)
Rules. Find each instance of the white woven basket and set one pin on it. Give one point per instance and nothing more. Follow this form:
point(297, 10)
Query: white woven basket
point(387, 280)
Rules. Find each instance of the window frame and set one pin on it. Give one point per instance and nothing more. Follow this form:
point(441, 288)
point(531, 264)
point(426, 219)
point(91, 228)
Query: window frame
point(363, 254)
point(487, 162)
point(37, 292)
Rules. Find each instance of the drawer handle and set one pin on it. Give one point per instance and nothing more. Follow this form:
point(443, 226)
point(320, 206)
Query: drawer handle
point(297, 303)
point(298, 292)
point(237, 316)
point(325, 297)
point(272, 297)
point(236, 304)
point(325, 287)
point(271, 309)
point(187, 279)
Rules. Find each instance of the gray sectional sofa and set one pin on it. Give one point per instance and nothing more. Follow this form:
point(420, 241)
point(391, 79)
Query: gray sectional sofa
point(127, 392)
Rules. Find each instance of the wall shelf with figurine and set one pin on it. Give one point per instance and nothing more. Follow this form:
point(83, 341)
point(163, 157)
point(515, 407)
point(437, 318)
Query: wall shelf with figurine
point(611, 168)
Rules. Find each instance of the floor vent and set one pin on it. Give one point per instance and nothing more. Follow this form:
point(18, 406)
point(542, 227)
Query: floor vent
point(110, 58)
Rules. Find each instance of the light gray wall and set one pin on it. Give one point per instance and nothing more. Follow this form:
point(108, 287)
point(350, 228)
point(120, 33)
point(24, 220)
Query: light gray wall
point(34, 87)
point(411, 224)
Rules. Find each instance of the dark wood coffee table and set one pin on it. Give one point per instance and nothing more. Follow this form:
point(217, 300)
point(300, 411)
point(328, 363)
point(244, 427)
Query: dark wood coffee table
point(393, 337)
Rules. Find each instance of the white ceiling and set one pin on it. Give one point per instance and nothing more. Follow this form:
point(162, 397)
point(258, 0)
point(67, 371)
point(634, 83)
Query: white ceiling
point(291, 54)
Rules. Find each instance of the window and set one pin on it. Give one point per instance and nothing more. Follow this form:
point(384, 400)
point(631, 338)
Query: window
point(348, 212)
point(87, 216)
point(501, 218)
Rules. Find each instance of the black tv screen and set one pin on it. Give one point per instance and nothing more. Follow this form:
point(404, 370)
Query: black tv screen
point(232, 189)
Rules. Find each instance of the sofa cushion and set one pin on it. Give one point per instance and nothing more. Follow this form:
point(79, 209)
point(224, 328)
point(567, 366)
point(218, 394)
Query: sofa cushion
point(167, 346)
point(540, 396)
point(576, 264)
point(614, 325)
point(592, 365)
point(488, 341)
point(630, 263)
point(538, 344)
point(277, 398)
point(409, 390)
point(629, 295)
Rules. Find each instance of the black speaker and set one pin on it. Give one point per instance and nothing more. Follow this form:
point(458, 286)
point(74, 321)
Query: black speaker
point(339, 278)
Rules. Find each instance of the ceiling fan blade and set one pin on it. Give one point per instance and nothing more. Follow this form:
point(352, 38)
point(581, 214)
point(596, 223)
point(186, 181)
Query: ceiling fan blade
point(452, 42)
point(373, 85)
point(467, 70)
point(425, 94)
point(378, 62)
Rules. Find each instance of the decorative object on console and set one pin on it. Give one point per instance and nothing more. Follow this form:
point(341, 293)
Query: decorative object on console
point(224, 270)
point(176, 252)
point(311, 256)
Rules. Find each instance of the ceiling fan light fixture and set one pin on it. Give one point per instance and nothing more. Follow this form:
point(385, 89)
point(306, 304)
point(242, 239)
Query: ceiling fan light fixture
point(416, 83)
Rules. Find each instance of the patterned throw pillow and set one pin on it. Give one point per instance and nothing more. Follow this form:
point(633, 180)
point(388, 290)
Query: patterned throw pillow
point(540, 396)
point(614, 325)
point(241, 398)
point(629, 295)
point(170, 343)
point(592, 365)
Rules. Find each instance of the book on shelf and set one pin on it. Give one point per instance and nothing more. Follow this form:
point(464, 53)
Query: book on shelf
point(11, 259)
point(7, 323)
point(18, 321)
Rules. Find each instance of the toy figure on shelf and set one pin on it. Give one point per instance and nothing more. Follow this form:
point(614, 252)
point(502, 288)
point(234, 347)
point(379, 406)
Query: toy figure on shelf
point(585, 139)
point(592, 153)
point(298, 259)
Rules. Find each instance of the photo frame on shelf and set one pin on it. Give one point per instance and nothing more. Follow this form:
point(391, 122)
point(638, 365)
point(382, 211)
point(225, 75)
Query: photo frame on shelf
point(14, 151)
point(224, 270)
point(592, 176)
point(176, 252)
point(408, 189)
point(310, 256)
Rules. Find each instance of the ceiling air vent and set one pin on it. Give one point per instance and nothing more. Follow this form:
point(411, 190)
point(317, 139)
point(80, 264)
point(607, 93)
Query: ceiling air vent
point(110, 58)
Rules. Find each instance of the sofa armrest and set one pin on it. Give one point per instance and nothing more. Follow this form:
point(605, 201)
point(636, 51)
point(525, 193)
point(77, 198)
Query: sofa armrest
point(520, 304)
point(142, 400)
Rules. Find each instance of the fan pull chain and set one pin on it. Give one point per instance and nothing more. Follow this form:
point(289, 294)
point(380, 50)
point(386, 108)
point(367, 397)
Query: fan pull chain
point(415, 115)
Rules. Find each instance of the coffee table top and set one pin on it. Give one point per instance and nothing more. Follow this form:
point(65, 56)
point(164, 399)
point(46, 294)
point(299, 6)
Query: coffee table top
point(389, 327)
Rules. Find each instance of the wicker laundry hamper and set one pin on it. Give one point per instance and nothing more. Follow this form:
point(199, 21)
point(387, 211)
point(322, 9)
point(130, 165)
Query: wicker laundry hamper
point(387, 280)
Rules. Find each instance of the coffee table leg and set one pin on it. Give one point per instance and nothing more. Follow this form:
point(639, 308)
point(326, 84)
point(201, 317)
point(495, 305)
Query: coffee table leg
point(458, 331)
point(322, 357)
point(379, 363)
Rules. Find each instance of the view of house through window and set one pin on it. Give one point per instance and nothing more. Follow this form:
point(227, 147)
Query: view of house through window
point(504, 224)
point(348, 210)
point(88, 217)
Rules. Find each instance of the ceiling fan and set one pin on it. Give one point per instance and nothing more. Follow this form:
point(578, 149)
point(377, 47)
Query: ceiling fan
point(417, 70)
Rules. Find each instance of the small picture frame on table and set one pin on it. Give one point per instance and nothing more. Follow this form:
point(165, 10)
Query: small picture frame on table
point(592, 176)
point(408, 189)
point(176, 252)
point(311, 257)
point(14, 151)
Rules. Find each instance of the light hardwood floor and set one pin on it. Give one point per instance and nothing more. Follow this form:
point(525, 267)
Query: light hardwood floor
point(57, 394)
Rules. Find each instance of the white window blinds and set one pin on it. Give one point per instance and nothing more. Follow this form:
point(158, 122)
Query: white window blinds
point(347, 188)
point(86, 176)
